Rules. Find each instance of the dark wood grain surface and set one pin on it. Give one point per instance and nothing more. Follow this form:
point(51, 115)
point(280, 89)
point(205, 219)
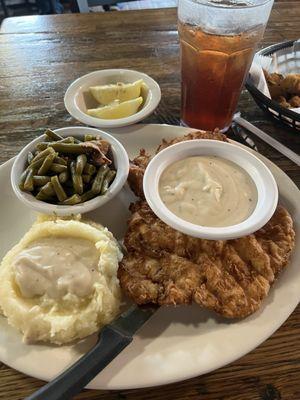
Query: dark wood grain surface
point(39, 58)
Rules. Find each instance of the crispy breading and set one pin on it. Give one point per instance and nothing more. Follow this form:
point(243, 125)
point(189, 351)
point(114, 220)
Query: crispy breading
point(215, 135)
point(139, 163)
point(166, 267)
point(231, 277)
point(136, 172)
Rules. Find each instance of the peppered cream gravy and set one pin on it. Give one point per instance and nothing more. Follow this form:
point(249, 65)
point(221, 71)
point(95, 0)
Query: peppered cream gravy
point(208, 191)
point(57, 266)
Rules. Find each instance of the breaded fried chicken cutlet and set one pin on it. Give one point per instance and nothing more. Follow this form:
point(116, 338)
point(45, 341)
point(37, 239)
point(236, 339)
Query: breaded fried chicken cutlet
point(166, 267)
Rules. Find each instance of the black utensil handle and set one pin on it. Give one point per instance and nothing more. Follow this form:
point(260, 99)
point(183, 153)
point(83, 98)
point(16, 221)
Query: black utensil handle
point(75, 378)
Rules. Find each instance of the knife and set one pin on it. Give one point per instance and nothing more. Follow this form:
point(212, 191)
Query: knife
point(113, 338)
point(267, 138)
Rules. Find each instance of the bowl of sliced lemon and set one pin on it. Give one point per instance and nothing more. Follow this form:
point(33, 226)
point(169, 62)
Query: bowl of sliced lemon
point(112, 98)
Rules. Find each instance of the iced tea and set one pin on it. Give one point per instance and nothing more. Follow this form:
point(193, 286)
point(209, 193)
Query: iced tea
point(217, 40)
point(213, 68)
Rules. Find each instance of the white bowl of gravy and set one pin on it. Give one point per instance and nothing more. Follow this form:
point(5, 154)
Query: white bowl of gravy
point(210, 189)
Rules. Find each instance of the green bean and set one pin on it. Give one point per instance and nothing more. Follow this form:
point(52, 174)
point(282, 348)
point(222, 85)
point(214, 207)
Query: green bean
point(86, 178)
point(58, 171)
point(59, 160)
point(58, 168)
point(43, 197)
point(87, 196)
point(70, 201)
point(89, 169)
point(23, 178)
point(43, 154)
point(88, 137)
point(46, 164)
point(68, 148)
point(97, 184)
point(76, 179)
point(81, 160)
point(41, 146)
point(40, 180)
point(52, 135)
point(59, 191)
point(28, 184)
point(63, 176)
point(30, 157)
point(47, 190)
point(68, 139)
point(107, 180)
point(35, 165)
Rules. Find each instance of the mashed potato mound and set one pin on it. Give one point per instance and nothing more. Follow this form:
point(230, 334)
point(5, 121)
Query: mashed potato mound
point(59, 321)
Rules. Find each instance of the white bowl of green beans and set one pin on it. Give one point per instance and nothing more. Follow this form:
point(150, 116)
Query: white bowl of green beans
point(69, 171)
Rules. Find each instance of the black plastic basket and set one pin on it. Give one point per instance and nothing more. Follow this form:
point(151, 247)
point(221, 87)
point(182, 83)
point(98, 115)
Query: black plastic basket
point(271, 107)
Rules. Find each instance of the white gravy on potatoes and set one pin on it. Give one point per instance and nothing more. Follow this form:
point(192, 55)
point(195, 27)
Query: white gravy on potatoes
point(57, 266)
point(208, 190)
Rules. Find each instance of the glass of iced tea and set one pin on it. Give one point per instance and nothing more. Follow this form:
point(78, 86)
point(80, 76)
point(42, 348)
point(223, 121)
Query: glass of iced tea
point(218, 39)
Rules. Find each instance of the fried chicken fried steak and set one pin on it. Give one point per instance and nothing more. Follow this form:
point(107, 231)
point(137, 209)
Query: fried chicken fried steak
point(166, 267)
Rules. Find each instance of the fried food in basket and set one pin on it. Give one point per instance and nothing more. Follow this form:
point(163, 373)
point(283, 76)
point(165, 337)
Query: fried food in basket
point(166, 267)
point(274, 84)
point(282, 101)
point(295, 101)
point(291, 84)
point(284, 90)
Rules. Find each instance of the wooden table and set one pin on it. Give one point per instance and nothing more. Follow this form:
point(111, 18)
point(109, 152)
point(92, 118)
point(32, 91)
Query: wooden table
point(39, 58)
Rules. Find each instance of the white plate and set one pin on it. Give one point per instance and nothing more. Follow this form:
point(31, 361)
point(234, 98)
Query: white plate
point(177, 343)
point(77, 98)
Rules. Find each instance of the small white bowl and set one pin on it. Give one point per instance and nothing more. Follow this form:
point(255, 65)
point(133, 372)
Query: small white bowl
point(78, 100)
point(121, 162)
point(265, 183)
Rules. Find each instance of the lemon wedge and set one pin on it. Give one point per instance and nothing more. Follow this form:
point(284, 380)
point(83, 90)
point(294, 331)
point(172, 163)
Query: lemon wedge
point(105, 94)
point(116, 109)
point(144, 91)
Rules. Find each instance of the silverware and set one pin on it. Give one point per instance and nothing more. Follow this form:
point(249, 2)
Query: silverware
point(241, 136)
point(267, 138)
point(113, 338)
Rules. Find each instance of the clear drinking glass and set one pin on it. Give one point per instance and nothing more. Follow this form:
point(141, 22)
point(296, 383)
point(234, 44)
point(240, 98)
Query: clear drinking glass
point(218, 39)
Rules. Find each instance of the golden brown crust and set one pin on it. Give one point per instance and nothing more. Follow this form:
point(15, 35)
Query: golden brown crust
point(215, 135)
point(291, 84)
point(136, 172)
point(284, 90)
point(166, 267)
point(295, 101)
